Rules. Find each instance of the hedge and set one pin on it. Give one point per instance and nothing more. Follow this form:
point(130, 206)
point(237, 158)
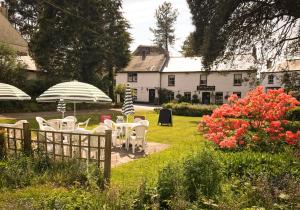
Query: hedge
point(294, 114)
point(187, 109)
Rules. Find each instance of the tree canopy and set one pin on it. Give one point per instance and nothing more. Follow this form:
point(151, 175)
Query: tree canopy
point(232, 26)
point(82, 40)
point(11, 70)
point(164, 33)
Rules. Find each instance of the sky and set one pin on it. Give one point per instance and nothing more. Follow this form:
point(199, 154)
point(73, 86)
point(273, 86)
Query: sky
point(140, 14)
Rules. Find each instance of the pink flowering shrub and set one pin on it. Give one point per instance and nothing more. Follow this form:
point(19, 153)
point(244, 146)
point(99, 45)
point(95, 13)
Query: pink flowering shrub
point(256, 119)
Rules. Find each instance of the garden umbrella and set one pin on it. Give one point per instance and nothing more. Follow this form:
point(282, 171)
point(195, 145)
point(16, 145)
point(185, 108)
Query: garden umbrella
point(74, 92)
point(61, 107)
point(127, 107)
point(9, 92)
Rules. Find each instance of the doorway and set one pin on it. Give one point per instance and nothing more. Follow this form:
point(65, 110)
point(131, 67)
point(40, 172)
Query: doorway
point(151, 96)
point(206, 97)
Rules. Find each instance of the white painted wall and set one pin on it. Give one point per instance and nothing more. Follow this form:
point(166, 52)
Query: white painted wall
point(145, 81)
point(188, 82)
point(277, 79)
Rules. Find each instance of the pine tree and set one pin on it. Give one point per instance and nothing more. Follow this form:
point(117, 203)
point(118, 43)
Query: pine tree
point(164, 33)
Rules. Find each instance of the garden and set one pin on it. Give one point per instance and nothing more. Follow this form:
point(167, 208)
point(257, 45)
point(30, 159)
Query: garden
point(245, 155)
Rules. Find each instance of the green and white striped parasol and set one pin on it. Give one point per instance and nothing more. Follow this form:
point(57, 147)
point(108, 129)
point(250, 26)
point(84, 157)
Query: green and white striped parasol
point(128, 107)
point(9, 92)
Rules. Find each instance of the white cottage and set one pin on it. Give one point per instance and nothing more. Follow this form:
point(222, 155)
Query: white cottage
point(277, 76)
point(151, 69)
point(187, 77)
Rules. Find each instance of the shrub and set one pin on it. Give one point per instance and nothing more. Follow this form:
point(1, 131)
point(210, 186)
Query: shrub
point(164, 95)
point(22, 171)
point(195, 99)
point(169, 183)
point(294, 114)
point(202, 175)
point(254, 121)
point(187, 109)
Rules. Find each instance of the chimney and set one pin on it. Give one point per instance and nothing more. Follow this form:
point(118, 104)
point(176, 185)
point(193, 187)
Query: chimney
point(269, 64)
point(3, 10)
point(143, 55)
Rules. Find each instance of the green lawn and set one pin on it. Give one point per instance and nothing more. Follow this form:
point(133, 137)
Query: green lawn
point(183, 138)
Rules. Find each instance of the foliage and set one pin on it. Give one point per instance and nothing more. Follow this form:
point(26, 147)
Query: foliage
point(294, 114)
point(120, 90)
point(187, 49)
point(253, 121)
point(187, 109)
point(83, 40)
point(11, 70)
point(237, 26)
point(26, 19)
point(23, 171)
point(202, 175)
point(165, 17)
point(195, 99)
point(164, 95)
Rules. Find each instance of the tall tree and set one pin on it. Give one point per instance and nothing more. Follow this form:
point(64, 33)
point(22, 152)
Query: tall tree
point(23, 14)
point(237, 25)
point(11, 70)
point(164, 33)
point(83, 40)
point(187, 49)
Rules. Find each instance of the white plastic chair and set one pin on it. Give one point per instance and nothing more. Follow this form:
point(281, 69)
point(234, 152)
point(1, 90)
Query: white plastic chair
point(138, 136)
point(15, 135)
point(115, 131)
point(54, 123)
point(120, 119)
point(42, 122)
point(49, 138)
point(144, 122)
point(83, 124)
point(69, 123)
point(137, 120)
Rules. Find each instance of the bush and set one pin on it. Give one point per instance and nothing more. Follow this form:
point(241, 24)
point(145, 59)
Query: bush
point(187, 109)
point(253, 121)
point(23, 171)
point(169, 183)
point(195, 99)
point(202, 175)
point(294, 114)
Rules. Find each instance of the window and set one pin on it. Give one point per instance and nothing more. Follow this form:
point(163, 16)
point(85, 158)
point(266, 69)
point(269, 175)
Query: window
point(237, 81)
point(132, 77)
point(203, 79)
point(219, 97)
point(271, 79)
point(239, 94)
point(171, 80)
point(187, 96)
point(134, 94)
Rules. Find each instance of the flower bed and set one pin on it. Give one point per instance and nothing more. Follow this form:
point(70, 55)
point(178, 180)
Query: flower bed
point(257, 120)
point(187, 109)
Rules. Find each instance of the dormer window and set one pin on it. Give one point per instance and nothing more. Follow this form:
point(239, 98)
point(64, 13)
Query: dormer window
point(271, 79)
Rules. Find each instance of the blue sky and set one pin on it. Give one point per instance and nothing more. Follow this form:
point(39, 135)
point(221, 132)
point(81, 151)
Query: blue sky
point(140, 14)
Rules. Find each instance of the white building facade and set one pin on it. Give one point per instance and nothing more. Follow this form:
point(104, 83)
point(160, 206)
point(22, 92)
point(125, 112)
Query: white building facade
point(281, 75)
point(187, 77)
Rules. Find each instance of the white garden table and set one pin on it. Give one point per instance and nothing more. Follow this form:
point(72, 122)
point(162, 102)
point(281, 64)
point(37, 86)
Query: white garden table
point(127, 126)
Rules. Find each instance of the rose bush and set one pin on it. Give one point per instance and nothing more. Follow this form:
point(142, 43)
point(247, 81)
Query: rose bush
point(254, 120)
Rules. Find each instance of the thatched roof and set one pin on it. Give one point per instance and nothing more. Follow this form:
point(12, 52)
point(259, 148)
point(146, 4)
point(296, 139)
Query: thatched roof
point(10, 36)
point(147, 59)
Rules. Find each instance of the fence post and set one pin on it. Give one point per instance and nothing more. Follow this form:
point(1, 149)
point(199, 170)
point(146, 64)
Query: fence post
point(27, 139)
point(2, 144)
point(107, 156)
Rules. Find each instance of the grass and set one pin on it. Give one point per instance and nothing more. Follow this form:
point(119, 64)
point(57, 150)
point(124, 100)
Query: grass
point(182, 139)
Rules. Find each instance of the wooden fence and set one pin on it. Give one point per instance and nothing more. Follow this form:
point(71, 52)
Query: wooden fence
point(58, 145)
